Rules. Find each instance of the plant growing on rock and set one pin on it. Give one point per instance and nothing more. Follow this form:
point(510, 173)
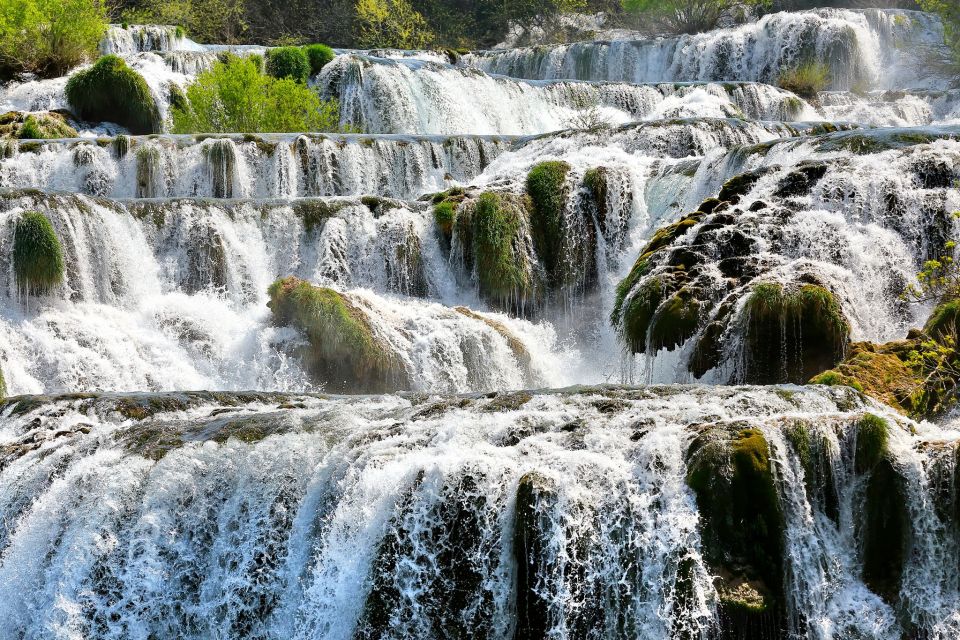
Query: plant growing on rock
point(110, 91)
point(235, 96)
point(288, 63)
point(49, 37)
point(319, 55)
point(806, 80)
point(37, 254)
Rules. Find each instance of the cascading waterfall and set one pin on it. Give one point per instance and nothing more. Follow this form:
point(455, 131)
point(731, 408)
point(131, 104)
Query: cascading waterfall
point(560, 217)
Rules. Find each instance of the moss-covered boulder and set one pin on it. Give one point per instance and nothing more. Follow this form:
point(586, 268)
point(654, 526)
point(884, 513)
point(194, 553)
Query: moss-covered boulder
point(547, 188)
point(884, 525)
point(37, 254)
point(344, 353)
point(532, 532)
point(3, 384)
point(943, 321)
point(791, 333)
point(110, 91)
point(444, 217)
point(742, 526)
point(493, 236)
point(35, 126)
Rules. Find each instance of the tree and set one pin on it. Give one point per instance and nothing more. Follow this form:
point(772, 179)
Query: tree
point(216, 21)
point(688, 16)
point(391, 23)
point(49, 37)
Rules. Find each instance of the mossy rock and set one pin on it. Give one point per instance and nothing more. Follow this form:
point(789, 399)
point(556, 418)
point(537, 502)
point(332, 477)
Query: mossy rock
point(37, 254)
point(110, 91)
point(532, 533)
point(676, 320)
point(344, 354)
point(520, 351)
point(445, 216)
point(885, 520)
point(742, 524)
point(943, 321)
point(547, 188)
point(3, 385)
point(36, 126)
point(597, 183)
point(735, 188)
point(801, 180)
point(791, 333)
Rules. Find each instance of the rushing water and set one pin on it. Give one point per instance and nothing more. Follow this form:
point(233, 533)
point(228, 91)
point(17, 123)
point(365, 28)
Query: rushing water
point(133, 505)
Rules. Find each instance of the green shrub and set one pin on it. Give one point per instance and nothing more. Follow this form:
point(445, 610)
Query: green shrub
point(805, 80)
point(35, 126)
point(49, 37)
point(235, 96)
point(288, 63)
point(37, 254)
point(110, 91)
point(319, 56)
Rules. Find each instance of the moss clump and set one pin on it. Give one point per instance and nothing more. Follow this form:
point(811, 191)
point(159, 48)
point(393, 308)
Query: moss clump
point(806, 80)
point(742, 523)
point(288, 62)
point(3, 385)
point(504, 271)
point(344, 354)
point(597, 182)
point(638, 312)
point(121, 146)
point(676, 321)
point(35, 126)
point(836, 379)
point(885, 522)
point(791, 334)
point(37, 254)
point(318, 55)
point(546, 186)
point(110, 91)
point(943, 321)
point(445, 215)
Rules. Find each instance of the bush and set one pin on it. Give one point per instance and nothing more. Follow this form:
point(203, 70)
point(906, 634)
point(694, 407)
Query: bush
point(110, 91)
point(37, 254)
point(319, 55)
point(686, 16)
point(49, 37)
point(288, 63)
point(391, 23)
point(235, 96)
point(805, 80)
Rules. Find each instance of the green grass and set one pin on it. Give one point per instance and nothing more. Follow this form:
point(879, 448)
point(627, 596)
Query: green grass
point(37, 254)
point(806, 80)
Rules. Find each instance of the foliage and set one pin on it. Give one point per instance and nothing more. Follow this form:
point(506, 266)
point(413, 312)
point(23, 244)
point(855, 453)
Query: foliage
point(235, 96)
point(687, 16)
point(546, 185)
point(110, 91)
point(949, 12)
point(588, 115)
point(35, 126)
point(219, 21)
point(49, 37)
point(805, 80)
point(288, 63)
point(37, 254)
point(391, 23)
point(939, 279)
point(319, 55)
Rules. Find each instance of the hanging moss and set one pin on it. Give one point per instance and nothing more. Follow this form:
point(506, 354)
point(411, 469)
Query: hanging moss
point(638, 312)
point(791, 334)
point(3, 385)
point(221, 155)
point(110, 91)
point(504, 275)
point(345, 354)
point(445, 215)
point(597, 183)
point(288, 63)
point(742, 523)
point(675, 321)
point(121, 146)
point(37, 254)
point(546, 186)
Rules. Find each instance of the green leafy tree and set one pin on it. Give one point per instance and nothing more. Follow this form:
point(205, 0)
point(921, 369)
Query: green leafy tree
point(391, 23)
point(687, 16)
point(235, 96)
point(49, 37)
point(216, 21)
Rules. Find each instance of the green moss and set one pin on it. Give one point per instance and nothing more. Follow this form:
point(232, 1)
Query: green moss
point(345, 354)
point(791, 335)
point(35, 126)
point(288, 62)
point(502, 272)
point(943, 321)
point(597, 182)
point(444, 216)
point(3, 385)
point(806, 80)
point(121, 146)
point(675, 321)
point(638, 313)
point(110, 91)
point(546, 186)
point(318, 55)
point(742, 522)
point(37, 254)
point(314, 212)
point(835, 379)
point(873, 437)
point(738, 186)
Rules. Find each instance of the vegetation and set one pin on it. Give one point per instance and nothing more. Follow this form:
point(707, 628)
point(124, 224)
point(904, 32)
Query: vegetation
point(344, 352)
point(806, 80)
point(949, 11)
point(503, 275)
point(37, 254)
point(206, 20)
point(391, 23)
point(235, 96)
point(3, 385)
point(35, 126)
point(546, 186)
point(687, 16)
point(318, 55)
point(110, 91)
point(49, 37)
point(289, 63)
